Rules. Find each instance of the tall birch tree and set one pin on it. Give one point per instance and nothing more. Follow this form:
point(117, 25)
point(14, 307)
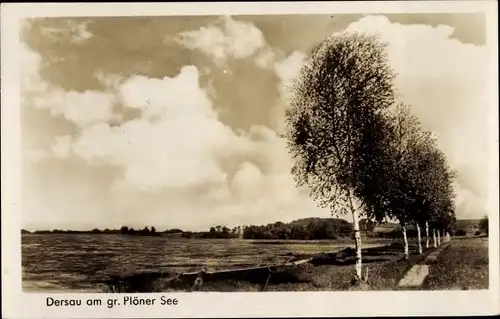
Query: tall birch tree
point(406, 193)
point(334, 124)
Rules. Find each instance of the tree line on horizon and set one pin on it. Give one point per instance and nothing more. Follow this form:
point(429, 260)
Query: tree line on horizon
point(312, 228)
point(361, 151)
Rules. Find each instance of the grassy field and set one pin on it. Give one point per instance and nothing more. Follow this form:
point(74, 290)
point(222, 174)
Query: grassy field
point(386, 266)
point(463, 265)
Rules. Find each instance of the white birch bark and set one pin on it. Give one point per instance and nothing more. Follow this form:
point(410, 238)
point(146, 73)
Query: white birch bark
point(439, 237)
point(426, 234)
point(357, 238)
point(419, 240)
point(434, 237)
point(405, 238)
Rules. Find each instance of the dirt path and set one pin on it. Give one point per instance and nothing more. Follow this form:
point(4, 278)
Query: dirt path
point(415, 277)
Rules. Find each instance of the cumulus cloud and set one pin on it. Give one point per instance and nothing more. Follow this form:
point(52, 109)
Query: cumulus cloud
point(178, 163)
point(177, 142)
point(446, 83)
point(286, 69)
point(247, 182)
point(81, 108)
point(62, 146)
point(228, 38)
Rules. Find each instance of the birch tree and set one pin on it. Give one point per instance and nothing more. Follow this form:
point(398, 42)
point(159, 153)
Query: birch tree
point(430, 168)
point(441, 211)
point(417, 175)
point(334, 126)
point(406, 192)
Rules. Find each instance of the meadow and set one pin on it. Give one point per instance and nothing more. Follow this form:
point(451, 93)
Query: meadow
point(462, 266)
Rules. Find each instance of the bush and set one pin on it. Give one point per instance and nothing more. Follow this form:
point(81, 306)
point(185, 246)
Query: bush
point(477, 233)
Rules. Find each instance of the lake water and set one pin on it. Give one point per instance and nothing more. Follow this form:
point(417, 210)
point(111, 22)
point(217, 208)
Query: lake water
point(69, 262)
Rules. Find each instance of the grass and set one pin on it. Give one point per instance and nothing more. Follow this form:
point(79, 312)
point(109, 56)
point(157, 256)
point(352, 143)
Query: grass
point(384, 273)
point(461, 266)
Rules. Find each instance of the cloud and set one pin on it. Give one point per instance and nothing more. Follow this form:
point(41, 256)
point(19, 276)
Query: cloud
point(446, 83)
point(150, 149)
point(229, 39)
point(35, 155)
point(62, 146)
point(30, 66)
point(286, 69)
point(177, 141)
point(81, 108)
point(247, 182)
point(175, 97)
point(76, 32)
point(176, 152)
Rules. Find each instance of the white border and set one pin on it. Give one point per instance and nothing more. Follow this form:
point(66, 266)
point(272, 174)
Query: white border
point(16, 304)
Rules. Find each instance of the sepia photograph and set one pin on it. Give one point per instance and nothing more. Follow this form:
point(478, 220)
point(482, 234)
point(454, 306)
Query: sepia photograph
point(256, 153)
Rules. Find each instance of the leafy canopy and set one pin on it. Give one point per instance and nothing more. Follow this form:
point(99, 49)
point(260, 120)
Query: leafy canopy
point(335, 126)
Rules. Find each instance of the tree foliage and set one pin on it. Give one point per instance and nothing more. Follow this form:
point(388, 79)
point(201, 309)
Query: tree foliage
point(302, 229)
point(354, 150)
point(418, 184)
point(483, 224)
point(334, 119)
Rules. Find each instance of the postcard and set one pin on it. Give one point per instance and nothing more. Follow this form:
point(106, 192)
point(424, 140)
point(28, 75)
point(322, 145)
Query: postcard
point(250, 159)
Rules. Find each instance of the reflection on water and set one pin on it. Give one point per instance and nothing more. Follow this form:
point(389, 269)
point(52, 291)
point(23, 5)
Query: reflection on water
point(62, 262)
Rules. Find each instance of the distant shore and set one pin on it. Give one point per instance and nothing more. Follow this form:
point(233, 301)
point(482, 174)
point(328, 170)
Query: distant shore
point(301, 229)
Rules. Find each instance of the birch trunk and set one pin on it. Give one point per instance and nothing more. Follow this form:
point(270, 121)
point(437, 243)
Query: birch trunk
point(419, 240)
point(357, 239)
point(434, 237)
point(426, 234)
point(439, 237)
point(405, 238)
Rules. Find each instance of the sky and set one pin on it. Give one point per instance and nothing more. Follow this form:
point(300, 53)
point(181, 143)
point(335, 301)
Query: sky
point(175, 122)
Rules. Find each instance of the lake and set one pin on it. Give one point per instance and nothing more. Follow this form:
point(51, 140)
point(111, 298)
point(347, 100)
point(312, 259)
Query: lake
point(75, 262)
